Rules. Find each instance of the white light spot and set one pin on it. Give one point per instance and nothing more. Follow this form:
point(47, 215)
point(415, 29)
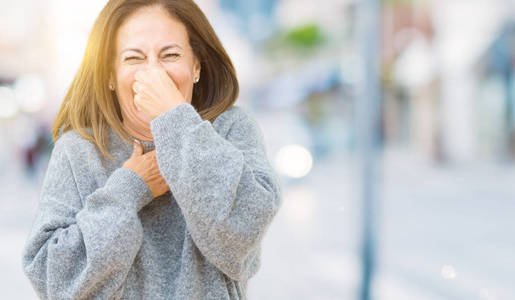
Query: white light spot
point(294, 161)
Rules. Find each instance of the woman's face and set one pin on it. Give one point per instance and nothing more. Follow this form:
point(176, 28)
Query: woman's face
point(148, 37)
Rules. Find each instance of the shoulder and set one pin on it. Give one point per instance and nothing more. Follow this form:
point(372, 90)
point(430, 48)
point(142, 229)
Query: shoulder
point(72, 143)
point(236, 116)
point(241, 125)
point(64, 153)
point(232, 114)
point(72, 137)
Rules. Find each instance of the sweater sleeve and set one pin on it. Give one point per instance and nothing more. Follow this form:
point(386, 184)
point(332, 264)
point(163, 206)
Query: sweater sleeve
point(84, 251)
point(225, 187)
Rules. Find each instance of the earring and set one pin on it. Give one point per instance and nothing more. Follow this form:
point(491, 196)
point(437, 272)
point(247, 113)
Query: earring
point(196, 79)
point(111, 87)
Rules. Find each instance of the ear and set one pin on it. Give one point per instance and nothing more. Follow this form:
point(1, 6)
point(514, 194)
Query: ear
point(112, 78)
point(196, 67)
point(112, 82)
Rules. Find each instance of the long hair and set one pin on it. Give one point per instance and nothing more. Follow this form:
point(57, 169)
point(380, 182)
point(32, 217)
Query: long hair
point(90, 107)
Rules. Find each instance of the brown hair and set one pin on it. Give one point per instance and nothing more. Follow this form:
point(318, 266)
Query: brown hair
point(89, 103)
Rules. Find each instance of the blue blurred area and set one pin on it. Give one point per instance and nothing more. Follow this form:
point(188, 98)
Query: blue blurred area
point(255, 18)
point(446, 168)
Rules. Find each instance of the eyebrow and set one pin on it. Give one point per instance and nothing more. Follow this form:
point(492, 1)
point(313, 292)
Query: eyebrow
point(166, 47)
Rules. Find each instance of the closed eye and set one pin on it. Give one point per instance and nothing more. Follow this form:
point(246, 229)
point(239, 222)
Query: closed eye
point(132, 58)
point(171, 55)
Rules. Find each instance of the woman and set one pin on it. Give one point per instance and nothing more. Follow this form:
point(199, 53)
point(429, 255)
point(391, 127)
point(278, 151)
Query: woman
point(179, 213)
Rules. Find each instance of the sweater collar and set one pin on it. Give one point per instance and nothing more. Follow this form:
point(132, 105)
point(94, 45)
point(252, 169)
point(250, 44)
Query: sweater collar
point(147, 145)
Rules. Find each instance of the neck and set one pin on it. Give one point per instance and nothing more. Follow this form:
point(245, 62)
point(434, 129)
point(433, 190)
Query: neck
point(141, 133)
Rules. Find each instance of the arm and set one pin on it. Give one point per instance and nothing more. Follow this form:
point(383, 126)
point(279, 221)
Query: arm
point(226, 188)
point(76, 252)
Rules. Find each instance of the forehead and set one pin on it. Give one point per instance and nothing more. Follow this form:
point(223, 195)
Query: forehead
point(150, 27)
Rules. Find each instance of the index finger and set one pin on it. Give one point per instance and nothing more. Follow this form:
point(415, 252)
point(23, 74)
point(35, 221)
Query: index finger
point(141, 75)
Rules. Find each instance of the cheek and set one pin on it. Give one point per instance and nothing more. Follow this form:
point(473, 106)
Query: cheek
point(125, 79)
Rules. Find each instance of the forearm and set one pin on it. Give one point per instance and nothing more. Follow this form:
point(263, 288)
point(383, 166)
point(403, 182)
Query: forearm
point(86, 253)
point(226, 189)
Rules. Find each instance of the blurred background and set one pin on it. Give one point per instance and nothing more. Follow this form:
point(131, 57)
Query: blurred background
point(423, 210)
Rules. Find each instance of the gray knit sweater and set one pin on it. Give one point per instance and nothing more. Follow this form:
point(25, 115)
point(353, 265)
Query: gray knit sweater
point(100, 234)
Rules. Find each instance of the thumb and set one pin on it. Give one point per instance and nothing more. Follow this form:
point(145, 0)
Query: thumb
point(137, 148)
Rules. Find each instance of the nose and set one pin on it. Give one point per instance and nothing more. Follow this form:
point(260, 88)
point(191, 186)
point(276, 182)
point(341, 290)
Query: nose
point(153, 61)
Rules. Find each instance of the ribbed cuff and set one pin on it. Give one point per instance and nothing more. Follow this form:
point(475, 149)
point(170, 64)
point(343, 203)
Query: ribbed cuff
point(127, 185)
